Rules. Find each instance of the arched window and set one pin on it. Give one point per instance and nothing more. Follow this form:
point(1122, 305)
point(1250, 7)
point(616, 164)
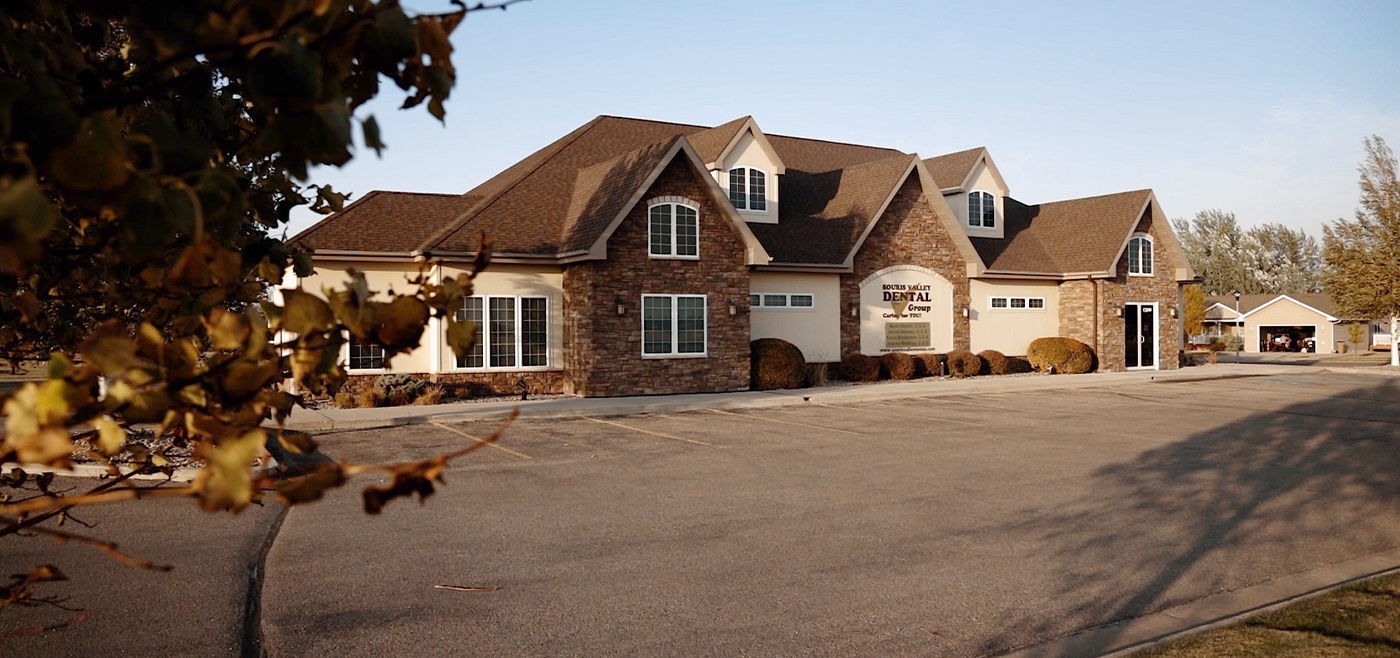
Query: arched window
point(748, 188)
point(673, 230)
point(1140, 255)
point(981, 210)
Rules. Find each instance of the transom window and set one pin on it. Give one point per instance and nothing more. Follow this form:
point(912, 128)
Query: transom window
point(748, 188)
point(981, 210)
point(799, 300)
point(1018, 303)
point(1140, 255)
point(511, 332)
point(674, 231)
point(366, 355)
point(673, 325)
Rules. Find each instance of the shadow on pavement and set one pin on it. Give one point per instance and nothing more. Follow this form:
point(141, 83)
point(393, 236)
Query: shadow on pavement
point(1309, 484)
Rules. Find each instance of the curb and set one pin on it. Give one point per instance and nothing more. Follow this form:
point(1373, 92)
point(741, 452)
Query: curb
point(1122, 638)
point(97, 471)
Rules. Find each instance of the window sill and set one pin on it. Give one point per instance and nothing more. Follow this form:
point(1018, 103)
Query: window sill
point(659, 257)
point(365, 371)
point(498, 369)
point(676, 356)
point(1148, 275)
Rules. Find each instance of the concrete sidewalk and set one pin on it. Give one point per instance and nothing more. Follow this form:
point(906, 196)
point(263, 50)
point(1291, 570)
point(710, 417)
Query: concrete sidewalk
point(338, 419)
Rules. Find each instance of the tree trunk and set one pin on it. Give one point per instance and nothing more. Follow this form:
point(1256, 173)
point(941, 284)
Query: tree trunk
point(1394, 344)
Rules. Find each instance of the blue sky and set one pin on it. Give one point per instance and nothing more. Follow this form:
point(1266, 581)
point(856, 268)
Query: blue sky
point(1258, 108)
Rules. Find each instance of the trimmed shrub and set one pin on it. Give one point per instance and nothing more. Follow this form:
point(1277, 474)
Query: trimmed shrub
point(399, 388)
point(859, 368)
point(929, 365)
point(962, 363)
point(1016, 365)
point(1060, 355)
point(775, 363)
point(993, 362)
point(897, 365)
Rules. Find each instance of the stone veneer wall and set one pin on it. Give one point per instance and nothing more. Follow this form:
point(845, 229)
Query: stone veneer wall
point(1077, 304)
point(603, 351)
point(909, 233)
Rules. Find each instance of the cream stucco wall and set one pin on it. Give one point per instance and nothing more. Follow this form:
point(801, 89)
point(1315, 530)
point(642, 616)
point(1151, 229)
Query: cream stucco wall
point(982, 180)
point(1287, 313)
point(1011, 330)
point(748, 153)
point(816, 331)
point(432, 355)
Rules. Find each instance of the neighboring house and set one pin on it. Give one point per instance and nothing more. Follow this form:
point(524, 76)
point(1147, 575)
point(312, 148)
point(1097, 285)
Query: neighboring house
point(1296, 322)
point(638, 257)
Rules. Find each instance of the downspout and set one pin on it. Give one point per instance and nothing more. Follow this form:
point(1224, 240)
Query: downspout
point(1095, 283)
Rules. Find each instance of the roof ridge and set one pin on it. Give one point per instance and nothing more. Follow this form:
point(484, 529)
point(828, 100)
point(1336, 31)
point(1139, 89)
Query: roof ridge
point(838, 143)
point(441, 234)
point(668, 123)
point(949, 155)
point(1145, 190)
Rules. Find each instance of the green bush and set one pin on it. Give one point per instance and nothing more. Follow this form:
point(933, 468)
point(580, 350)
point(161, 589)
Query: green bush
point(993, 362)
point(859, 368)
point(1061, 356)
point(897, 365)
point(775, 363)
point(929, 365)
point(398, 389)
point(962, 363)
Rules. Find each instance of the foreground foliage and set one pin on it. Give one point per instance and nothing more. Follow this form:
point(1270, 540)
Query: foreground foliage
point(148, 154)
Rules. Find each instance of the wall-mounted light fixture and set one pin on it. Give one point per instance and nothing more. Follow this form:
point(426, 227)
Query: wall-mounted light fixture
point(1172, 310)
point(621, 310)
point(855, 310)
point(966, 312)
point(1118, 311)
point(733, 308)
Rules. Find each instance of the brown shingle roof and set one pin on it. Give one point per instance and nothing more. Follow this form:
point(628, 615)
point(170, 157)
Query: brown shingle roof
point(709, 143)
point(822, 215)
point(1064, 237)
point(393, 222)
point(951, 170)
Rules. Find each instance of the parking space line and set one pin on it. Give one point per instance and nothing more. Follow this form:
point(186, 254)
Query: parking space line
point(903, 411)
point(638, 429)
point(963, 402)
point(787, 422)
point(479, 440)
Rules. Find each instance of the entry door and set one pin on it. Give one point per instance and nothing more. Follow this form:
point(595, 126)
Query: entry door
point(1140, 341)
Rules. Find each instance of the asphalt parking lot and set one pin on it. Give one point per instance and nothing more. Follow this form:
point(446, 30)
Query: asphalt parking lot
point(949, 526)
point(956, 525)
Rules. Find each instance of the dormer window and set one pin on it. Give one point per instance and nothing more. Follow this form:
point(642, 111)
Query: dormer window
point(981, 210)
point(1140, 255)
point(748, 188)
point(673, 231)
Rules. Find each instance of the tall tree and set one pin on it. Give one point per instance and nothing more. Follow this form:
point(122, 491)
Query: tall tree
point(1268, 258)
point(149, 153)
point(1193, 317)
point(1362, 255)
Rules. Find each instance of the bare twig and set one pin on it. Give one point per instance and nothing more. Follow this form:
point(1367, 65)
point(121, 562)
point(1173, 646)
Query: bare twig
point(40, 630)
point(107, 547)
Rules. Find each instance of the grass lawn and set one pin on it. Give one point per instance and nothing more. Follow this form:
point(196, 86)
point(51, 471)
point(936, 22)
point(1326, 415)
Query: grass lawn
point(1359, 620)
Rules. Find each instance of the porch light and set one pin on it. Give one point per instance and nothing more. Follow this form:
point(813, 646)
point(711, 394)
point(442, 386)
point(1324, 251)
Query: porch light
point(733, 308)
point(966, 312)
point(1172, 311)
point(855, 310)
point(621, 310)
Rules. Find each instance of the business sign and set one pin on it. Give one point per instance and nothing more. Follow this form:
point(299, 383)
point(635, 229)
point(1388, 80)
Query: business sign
point(906, 309)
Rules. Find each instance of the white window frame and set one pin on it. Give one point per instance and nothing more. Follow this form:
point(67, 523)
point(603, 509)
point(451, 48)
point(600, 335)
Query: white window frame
point(485, 328)
point(746, 181)
point(672, 250)
point(1151, 251)
point(345, 351)
point(980, 221)
point(787, 301)
point(991, 304)
point(675, 327)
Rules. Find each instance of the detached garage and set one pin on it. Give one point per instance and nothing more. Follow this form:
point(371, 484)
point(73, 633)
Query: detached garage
point(1301, 322)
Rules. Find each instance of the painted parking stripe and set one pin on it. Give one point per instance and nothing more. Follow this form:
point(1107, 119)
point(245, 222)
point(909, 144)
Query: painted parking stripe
point(786, 422)
point(963, 402)
point(638, 429)
point(489, 445)
point(902, 411)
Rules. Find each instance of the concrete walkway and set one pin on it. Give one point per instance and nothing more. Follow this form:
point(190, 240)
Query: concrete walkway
point(339, 419)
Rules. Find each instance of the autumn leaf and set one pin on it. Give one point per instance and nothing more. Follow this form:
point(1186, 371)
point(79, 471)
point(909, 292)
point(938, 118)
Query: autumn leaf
point(304, 313)
point(110, 436)
point(226, 482)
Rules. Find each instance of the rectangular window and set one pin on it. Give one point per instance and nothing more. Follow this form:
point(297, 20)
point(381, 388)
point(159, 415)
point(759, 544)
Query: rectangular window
point(1018, 303)
point(766, 300)
point(673, 325)
point(757, 191)
point(366, 355)
point(471, 310)
point(687, 232)
point(511, 332)
point(737, 195)
point(660, 220)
